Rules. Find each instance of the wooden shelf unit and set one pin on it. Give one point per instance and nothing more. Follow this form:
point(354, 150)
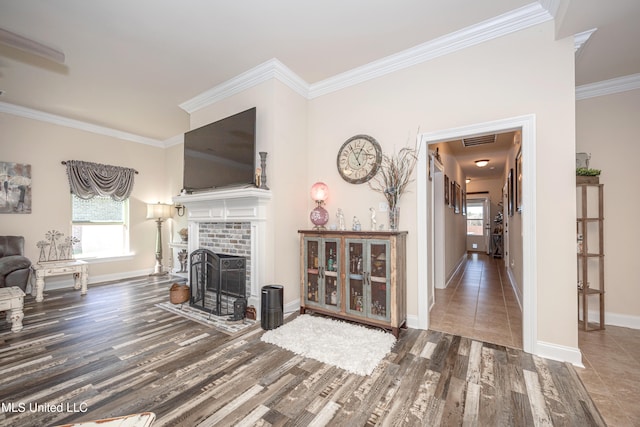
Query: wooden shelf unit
point(353, 275)
point(588, 258)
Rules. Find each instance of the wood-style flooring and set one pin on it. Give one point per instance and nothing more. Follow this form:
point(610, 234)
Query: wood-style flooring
point(113, 352)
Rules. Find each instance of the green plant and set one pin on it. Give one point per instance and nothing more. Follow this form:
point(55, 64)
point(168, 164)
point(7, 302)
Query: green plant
point(587, 172)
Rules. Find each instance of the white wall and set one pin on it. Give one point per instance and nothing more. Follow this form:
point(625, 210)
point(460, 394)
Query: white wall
point(608, 128)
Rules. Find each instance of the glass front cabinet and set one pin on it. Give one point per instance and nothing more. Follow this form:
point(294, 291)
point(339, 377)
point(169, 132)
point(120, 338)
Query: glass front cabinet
point(322, 284)
point(358, 276)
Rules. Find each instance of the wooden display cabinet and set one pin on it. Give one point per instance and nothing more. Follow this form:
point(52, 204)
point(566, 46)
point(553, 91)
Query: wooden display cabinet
point(358, 276)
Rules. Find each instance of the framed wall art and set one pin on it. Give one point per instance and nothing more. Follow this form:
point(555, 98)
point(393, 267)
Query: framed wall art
point(447, 190)
point(15, 188)
point(510, 195)
point(519, 181)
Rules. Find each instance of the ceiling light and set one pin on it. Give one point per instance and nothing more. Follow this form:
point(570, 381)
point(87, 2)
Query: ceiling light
point(482, 163)
point(468, 180)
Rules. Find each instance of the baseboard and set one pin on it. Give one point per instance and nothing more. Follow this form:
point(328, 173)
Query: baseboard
point(461, 262)
point(561, 353)
point(292, 306)
point(513, 283)
point(615, 319)
point(67, 281)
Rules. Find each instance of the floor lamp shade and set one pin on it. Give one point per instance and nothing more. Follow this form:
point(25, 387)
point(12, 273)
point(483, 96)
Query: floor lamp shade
point(159, 212)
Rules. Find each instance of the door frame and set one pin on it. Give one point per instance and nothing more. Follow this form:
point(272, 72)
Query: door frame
point(527, 124)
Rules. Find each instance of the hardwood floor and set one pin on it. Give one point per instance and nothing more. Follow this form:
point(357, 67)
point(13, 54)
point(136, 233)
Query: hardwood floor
point(113, 352)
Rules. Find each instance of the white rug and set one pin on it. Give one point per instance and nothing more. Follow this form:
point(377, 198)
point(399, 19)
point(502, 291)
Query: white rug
point(356, 349)
point(219, 322)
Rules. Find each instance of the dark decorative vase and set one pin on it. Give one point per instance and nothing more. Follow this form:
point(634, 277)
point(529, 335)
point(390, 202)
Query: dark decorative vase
point(263, 168)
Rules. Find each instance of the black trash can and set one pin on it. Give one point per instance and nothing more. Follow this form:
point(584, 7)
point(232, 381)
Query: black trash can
point(272, 307)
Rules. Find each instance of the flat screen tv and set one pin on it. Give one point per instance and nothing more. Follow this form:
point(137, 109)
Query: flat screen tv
point(221, 154)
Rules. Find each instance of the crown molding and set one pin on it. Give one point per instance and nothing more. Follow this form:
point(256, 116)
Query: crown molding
point(490, 29)
point(580, 39)
point(174, 140)
point(608, 87)
point(271, 69)
point(30, 113)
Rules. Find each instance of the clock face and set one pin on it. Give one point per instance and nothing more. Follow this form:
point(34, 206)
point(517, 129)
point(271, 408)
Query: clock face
point(359, 159)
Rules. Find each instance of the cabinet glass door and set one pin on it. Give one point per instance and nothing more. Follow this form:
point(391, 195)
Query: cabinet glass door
point(331, 273)
point(312, 263)
point(355, 277)
point(378, 264)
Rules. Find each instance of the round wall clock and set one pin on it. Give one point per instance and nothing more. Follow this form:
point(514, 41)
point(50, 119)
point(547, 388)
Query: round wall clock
point(359, 159)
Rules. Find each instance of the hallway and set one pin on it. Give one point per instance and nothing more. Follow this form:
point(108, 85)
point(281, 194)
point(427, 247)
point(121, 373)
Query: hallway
point(479, 303)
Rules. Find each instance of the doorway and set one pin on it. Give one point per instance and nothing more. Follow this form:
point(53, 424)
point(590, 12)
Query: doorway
point(478, 225)
point(426, 244)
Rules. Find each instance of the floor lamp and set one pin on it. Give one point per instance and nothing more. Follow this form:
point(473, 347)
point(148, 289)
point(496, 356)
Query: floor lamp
point(159, 212)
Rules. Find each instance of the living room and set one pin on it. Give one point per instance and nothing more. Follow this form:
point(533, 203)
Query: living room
point(529, 72)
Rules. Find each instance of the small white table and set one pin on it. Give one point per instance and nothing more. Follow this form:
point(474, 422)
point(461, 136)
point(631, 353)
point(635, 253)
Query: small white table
point(11, 301)
point(56, 268)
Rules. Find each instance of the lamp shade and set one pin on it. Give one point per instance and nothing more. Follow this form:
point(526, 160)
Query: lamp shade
point(158, 211)
point(319, 191)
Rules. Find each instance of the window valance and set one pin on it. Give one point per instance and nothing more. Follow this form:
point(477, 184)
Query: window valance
point(87, 180)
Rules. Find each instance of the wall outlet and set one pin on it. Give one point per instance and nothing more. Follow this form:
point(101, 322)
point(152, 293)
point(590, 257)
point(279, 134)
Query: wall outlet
point(383, 207)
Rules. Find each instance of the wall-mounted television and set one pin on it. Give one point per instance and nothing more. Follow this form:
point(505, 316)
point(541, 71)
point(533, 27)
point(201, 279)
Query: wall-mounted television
point(221, 154)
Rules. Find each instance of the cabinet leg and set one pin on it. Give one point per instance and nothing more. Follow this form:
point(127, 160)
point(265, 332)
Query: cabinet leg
point(302, 310)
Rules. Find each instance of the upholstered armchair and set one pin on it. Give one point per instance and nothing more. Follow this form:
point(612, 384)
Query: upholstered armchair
point(14, 266)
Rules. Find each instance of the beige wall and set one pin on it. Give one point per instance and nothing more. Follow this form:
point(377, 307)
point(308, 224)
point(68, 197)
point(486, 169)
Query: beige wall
point(281, 127)
point(45, 146)
point(519, 74)
point(608, 128)
point(523, 73)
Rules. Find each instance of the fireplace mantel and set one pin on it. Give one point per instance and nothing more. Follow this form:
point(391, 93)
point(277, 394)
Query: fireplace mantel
point(225, 205)
point(232, 205)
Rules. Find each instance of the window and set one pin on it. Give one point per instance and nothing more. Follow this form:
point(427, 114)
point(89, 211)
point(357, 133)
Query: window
point(101, 224)
point(475, 218)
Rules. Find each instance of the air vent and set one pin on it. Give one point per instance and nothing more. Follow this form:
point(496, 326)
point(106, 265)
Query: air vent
point(478, 140)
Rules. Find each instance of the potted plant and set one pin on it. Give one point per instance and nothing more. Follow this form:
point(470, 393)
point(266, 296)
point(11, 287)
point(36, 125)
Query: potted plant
point(587, 176)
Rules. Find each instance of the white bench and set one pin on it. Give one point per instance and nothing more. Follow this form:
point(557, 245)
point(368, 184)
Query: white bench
point(11, 301)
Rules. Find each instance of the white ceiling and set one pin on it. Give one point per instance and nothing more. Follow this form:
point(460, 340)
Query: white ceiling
point(129, 64)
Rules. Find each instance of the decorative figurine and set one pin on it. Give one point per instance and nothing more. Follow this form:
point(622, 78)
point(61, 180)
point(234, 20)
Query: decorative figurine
point(182, 258)
point(341, 223)
point(373, 219)
point(356, 224)
point(258, 177)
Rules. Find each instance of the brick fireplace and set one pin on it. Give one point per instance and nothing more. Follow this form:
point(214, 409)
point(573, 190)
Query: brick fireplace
point(231, 221)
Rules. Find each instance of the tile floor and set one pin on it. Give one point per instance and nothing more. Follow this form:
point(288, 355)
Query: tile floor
point(479, 303)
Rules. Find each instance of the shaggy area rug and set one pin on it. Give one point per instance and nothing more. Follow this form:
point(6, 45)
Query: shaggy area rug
point(356, 349)
point(219, 322)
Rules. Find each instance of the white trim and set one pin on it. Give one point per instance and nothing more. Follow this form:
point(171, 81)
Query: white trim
point(512, 282)
point(562, 353)
point(615, 319)
point(527, 124)
point(507, 23)
point(174, 140)
point(462, 263)
point(608, 87)
point(271, 69)
point(490, 29)
point(580, 39)
point(30, 113)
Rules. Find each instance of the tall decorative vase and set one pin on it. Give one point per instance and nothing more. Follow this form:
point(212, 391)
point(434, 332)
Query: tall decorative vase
point(394, 218)
point(263, 167)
